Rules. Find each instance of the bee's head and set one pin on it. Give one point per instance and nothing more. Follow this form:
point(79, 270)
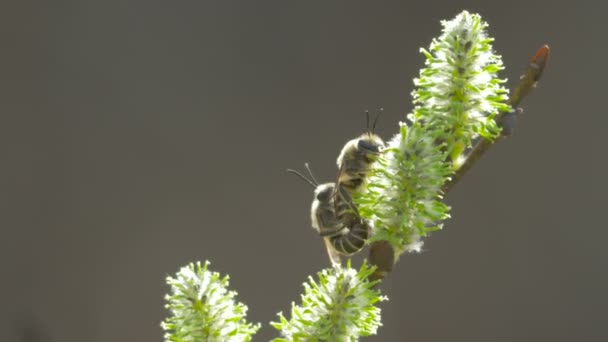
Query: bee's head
point(370, 143)
point(324, 192)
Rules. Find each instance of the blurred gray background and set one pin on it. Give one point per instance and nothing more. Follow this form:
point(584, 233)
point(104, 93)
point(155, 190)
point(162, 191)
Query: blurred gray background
point(138, 136)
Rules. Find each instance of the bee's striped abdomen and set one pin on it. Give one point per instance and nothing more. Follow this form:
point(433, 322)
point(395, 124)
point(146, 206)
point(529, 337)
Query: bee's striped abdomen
point(352, 241)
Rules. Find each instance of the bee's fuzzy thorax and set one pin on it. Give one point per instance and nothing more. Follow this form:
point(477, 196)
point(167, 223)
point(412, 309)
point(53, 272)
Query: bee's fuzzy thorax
point(352, 146)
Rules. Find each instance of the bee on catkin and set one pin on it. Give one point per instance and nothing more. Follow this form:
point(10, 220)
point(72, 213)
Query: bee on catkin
point(340, 239)
point(354, 164)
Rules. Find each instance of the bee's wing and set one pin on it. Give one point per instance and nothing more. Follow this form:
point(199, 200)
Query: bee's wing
point(338, 189)
point(334, 257)
point(338, 180)
point(343, 200)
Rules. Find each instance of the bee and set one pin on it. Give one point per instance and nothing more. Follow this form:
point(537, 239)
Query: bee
point(340, 239)
point(354, 164)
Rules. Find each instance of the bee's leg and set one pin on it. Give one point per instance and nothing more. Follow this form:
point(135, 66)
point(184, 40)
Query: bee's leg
point(509, 121)
point(334, 256)
point(328, 223)
point(333, 231)
point(347, 198)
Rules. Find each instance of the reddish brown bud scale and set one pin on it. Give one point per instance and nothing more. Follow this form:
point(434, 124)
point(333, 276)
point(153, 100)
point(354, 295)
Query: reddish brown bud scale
point(531, 76)
point(540, 60)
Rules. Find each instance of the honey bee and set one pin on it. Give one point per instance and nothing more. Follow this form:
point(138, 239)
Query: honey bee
point(340, 239)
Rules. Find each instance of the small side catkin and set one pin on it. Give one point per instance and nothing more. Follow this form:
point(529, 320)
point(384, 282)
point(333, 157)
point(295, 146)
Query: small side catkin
point(339, 307)
point(203, 310)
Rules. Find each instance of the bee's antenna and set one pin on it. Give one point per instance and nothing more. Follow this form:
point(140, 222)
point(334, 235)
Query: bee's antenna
point(376, 119)
point(303, 178)
point(311, 175)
